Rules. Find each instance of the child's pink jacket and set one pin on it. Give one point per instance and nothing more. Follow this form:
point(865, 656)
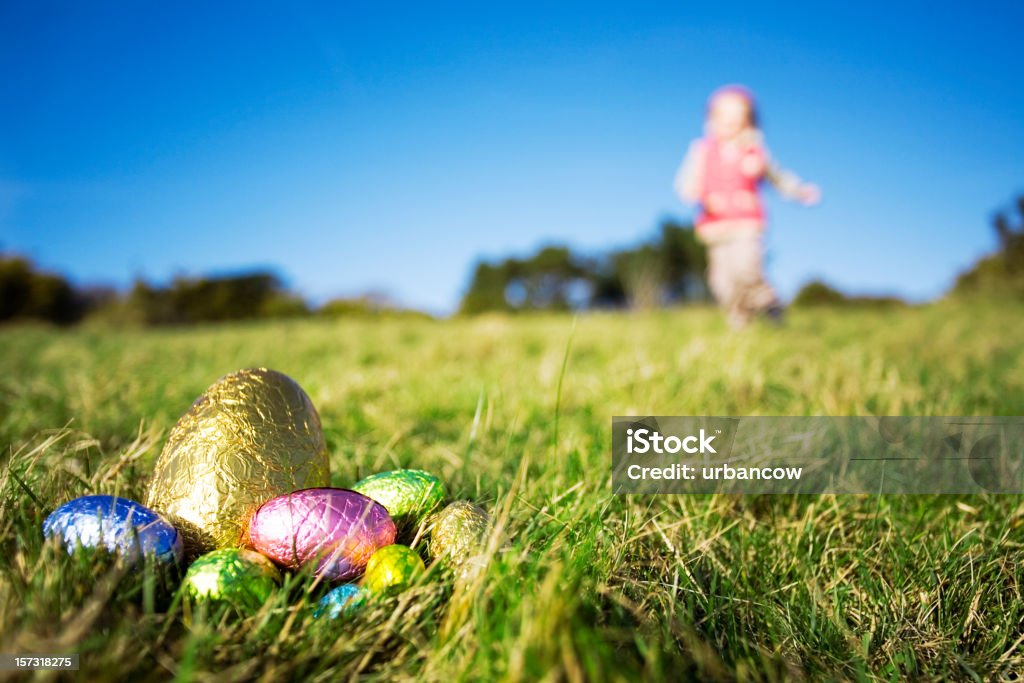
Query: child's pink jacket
point(717, 177)
point(728, 190)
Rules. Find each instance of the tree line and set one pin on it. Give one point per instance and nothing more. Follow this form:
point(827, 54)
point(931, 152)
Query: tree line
point(27, 293)
point(669, 268)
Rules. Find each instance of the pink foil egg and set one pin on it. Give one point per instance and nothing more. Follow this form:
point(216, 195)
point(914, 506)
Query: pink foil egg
point(337, 529)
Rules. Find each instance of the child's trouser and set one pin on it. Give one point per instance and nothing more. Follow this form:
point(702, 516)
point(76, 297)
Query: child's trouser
point(736, 275)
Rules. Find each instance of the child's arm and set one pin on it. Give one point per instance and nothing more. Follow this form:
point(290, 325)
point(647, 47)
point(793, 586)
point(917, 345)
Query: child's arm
point(789, 184)
point(689, 181)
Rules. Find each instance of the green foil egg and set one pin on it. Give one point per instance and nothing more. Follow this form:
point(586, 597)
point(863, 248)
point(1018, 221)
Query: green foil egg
point(392, 569)
point(457, 535)
point(408, 495)
point(242, 578)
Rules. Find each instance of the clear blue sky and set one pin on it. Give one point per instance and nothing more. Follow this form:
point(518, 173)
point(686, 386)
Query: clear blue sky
point(389, 145)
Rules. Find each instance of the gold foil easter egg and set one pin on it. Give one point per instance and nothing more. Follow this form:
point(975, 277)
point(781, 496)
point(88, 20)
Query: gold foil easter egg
point(457, 536)
point(250, 437)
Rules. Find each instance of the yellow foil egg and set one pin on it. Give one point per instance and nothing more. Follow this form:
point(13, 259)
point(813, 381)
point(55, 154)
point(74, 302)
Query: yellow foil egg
point(250, 437)
point(392, 569)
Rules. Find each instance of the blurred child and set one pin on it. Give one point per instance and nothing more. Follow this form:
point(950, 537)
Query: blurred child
point(721, 173)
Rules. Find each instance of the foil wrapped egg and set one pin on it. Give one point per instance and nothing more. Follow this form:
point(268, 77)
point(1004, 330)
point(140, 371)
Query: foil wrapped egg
point(341, 601)
point(235, 576)
point(392, 569)
point(251, 436)
point(336, 529)
point(120, 525)
point(457, 535)
point(408, 495)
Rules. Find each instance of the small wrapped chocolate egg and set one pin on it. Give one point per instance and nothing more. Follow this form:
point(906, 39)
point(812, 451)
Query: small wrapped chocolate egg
point(408, 495)
point(392, 569)
point(337, 529)
point(341, 601)
point(236, 576)
point(457, 534)
point(120, 525)
point(251, 436)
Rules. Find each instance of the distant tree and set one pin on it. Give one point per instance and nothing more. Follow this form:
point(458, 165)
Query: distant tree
point(27, 293)
point(685, 262)
point(212, 299)
point(818, 293)
point(552, 279)
point(669, 268)
point(284, 305)
point(487, 289)
point(606, 287)
point(236, 297)
point(1001, 273)
point(548, 280)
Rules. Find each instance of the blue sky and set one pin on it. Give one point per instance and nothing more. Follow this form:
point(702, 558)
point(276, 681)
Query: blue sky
point(388, 145)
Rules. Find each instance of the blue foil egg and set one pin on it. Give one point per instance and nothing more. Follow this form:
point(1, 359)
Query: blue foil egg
point(343, 600)
point(120, 525)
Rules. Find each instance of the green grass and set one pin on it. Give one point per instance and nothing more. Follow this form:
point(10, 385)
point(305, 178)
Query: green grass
point(582, 585)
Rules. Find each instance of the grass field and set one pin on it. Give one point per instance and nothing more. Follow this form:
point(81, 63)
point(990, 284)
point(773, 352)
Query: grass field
point(515, 413)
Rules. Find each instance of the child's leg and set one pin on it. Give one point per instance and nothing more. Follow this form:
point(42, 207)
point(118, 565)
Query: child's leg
point(754, 293)
point(735, 271)
point(720, 276)
point(725, 280)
